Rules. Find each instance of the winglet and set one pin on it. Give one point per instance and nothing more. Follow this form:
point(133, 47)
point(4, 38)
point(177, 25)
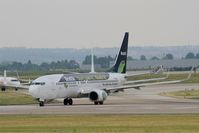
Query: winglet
point(189, 76)
point(17, 75)
point(168, 73)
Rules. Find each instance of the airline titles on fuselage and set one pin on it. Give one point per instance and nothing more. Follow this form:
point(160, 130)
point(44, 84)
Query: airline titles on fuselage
point(85, 79)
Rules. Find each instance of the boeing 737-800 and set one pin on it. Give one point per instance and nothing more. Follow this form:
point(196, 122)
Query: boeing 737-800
point(95, 86)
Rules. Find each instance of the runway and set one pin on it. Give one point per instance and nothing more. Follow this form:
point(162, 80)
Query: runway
point(144, 101)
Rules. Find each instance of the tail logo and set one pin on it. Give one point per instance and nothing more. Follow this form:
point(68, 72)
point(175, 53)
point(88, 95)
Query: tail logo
point(123, 53)
point(121, 66)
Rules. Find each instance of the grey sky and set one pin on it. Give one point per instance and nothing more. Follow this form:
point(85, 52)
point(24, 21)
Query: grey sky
point(98, 23)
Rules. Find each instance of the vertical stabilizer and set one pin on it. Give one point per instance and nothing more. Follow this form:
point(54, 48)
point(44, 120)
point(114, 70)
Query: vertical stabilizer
point(121, 60)
point(4, 75)
point(92, 63)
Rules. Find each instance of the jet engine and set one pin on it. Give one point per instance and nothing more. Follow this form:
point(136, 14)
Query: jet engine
point(98, 95)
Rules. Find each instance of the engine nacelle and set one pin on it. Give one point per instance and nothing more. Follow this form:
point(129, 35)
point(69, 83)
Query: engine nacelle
point(98, 95)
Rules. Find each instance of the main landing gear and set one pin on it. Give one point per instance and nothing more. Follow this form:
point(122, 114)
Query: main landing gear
point(41, 103)
point(3, 89)
point(68, 101)
point(100, 102)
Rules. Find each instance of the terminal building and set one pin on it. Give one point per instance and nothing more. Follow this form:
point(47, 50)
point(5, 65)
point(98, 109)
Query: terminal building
point(168, 64)
point(150, 64)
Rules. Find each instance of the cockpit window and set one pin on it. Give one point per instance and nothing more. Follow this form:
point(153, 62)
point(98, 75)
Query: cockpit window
point(14, 80)
point(38, 83)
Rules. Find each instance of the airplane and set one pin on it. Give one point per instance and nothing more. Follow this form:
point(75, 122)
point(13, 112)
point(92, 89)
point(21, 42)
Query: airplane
point(95, 86)
point(8, 82)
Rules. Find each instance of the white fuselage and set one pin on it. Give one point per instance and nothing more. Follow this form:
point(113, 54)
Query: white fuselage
point(9, 81)
point(72, 85)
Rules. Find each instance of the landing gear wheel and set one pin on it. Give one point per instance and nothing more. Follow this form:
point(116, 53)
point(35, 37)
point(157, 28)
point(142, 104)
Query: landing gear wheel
point(101, 102)
point(3, 89)
point(68, 101)
point(41, 103)
point(16, 89)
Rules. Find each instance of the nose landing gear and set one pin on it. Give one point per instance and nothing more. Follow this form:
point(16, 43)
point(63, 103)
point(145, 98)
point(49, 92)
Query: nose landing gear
point(68, 101)
point(41, 102)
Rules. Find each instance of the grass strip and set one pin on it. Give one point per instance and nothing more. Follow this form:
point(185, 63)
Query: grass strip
point(100, 123)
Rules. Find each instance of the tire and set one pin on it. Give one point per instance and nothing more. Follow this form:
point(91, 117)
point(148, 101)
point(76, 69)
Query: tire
point(3, 89)
point(66, 101)
point(96, 103)
point(41, 103)
point(101, 102)
point(70, 101)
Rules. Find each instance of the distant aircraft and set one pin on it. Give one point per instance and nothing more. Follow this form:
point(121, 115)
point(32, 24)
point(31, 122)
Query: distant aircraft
point(95, 86)
point(8, 82)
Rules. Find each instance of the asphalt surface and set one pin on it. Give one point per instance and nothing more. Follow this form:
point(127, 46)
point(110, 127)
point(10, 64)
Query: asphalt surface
point(144, 101)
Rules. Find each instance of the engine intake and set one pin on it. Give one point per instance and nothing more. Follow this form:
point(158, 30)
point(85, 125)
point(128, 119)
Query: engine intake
point(98, 95)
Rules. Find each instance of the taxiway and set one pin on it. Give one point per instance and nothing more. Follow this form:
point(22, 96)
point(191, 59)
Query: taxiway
point(144, 101)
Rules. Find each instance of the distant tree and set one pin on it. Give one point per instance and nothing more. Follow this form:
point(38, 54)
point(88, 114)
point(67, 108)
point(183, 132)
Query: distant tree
point(154, 58)
point(168, 57)
point(102, 61)
point(129, 58)
point(73, 64)
point(190, 55)
point(44, 66)
point(87, 59)
point(197, 56)
point(142, 57)
point(29, 62)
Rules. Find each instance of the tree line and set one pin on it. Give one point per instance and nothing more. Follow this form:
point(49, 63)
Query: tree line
point(104, 62)
point(169, 56)
point(29, 66)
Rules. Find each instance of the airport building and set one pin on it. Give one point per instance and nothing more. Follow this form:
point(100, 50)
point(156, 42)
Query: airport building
point(148, 64)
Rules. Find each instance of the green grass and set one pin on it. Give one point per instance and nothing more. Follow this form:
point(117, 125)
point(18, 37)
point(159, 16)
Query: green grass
point(99, 123)
point(10, 97)
point(188, 94)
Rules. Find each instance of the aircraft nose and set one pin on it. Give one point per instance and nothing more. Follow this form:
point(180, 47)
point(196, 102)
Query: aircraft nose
point(33, 90)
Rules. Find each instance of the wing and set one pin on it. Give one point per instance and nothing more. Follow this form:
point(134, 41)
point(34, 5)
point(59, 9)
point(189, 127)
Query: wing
point(14, 86)
point(137, 74)
point(25, 82)
point(157, 70)
point(137, 86)
point(146, 80)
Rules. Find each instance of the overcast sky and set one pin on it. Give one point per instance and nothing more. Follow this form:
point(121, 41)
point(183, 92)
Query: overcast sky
point(98, 23)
